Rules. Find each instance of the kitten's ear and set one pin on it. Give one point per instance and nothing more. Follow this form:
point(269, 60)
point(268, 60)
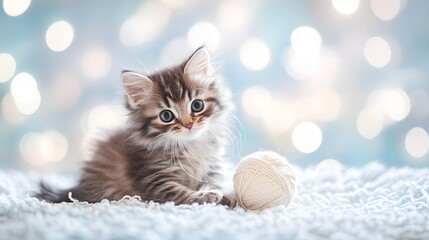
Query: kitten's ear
point(198, 65)
point(136, 86)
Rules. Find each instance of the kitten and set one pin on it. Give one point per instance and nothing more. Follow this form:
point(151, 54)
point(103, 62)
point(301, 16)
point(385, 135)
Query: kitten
point(171, 147)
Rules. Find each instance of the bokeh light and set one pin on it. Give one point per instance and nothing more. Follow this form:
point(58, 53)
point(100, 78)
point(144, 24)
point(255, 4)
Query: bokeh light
point(105, 117)
point(40, 148)
point(417, 142)
point(369, 122)
point(301, 67)
point(59, 36)
point(307, 137)
point(329, 165)
point(377, 52)
point(234, 15)
point(395, 103)
point(176, 3)
point(255, 54)
point(278, 116)
point(203, 33)
point(25, 93)
point(96, 62)
point(7, 67)
point(149, 21)
point(15, 7)
point(326, 104)
point(64, 92)
point(385, 9)
point(345, 7)
point(10, 112)
point(256, 100)
point(306, 41)
point(302, 59)
point(175, 51)
point(96, 123)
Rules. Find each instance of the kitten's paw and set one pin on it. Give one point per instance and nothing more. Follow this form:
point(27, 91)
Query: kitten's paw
point(210, 196)
point(229, 200)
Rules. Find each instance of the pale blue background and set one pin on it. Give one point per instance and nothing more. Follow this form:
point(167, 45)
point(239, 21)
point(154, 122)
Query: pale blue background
point(99, 22)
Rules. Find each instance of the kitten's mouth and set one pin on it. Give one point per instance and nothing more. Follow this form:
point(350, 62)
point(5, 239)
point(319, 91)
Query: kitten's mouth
point(192, 133)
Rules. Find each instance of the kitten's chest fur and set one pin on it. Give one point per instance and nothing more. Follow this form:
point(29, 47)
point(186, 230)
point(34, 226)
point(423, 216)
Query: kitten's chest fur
point(192, 164)
point(198, 160)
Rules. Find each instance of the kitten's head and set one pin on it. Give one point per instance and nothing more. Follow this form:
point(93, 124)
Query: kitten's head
point(177, 104)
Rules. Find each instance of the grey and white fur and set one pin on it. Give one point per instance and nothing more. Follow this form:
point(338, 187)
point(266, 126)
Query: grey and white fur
point(172, 144)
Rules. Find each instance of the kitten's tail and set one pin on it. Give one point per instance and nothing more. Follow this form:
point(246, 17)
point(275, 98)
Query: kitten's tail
point(48, 194)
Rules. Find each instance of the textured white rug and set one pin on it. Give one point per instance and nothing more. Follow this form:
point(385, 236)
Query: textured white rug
point(331, 203)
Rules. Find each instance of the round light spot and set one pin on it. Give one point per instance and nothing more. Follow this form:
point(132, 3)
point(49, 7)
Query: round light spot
point(255, 101)
point(59, 36)
point(301, 67)
point(306, 41)
point(145, 25)
point(176, 3)
point(59, 145)
point(395, 103)
point(377, 52)
point(385, 9)
point(108, 116)
point(307, 137)
point(10, 111)
point(7, 67)
point(175, 51)
point(345, 7)
point(329, 165)
point(278, 117)
point(63, 92)
point(96, 62)
point(417, 142)
point(40, 148)
point(95, 124)
point(369, 123)
point(325, 104)
point(255, 54)
point(203, 33)
point(234, 15)
point(25, 93)
point(15, 7)
point(32, 149)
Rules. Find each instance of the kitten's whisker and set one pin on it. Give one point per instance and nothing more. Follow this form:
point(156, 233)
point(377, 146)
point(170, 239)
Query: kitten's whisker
point(181, 166)
point(236, 146)
point(238, 132)
point(192, 156)
point(146, 72)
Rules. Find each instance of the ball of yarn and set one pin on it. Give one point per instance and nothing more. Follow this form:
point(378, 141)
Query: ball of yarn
point(264, 179)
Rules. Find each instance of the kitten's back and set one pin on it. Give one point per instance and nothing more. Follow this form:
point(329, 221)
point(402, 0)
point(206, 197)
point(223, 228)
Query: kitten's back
point(104, 177)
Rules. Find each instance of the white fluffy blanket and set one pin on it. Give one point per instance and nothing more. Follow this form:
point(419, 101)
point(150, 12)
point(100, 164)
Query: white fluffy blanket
point(333, 203)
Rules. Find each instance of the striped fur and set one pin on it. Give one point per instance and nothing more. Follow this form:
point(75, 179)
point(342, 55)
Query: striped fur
point(162, 161)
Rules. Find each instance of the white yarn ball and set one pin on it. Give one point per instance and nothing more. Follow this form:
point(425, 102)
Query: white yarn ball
point(264, 179)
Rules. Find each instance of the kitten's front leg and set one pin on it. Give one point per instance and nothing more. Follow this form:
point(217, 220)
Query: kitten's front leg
point(179, 194)
point(229, 200)
point(214, 181)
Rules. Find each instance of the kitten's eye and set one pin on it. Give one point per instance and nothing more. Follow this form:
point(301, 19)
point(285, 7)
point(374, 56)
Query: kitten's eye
point(166, 116)
point(197, 105)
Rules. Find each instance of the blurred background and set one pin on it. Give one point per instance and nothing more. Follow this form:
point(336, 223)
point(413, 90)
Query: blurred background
point(327, 83)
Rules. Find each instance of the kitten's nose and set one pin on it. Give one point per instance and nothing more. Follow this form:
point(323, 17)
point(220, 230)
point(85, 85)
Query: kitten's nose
point(188, 125)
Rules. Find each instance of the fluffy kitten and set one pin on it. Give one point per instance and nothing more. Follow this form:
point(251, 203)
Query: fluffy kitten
point(172, 144)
